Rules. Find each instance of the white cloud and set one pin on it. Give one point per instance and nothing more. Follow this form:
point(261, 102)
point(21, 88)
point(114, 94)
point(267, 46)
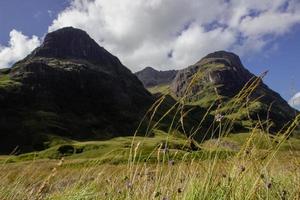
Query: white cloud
point(268, 23)
point(176, 33)
point(140, 32)
point(295, 101)
point(195, 42)
point(145, 32)
point(19, 46)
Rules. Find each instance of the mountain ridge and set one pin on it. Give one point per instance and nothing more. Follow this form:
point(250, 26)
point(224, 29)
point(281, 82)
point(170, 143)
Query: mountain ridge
point(71, 88)
point(151, 77)
point(223, 76)
point(69, 93)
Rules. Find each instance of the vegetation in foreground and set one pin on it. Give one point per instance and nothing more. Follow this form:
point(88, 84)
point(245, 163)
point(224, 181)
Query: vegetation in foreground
point(168, 165)
point(242, 166)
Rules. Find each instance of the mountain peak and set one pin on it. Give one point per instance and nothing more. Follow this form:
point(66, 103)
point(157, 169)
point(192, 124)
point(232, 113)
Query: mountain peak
point(151, 77)
point(223, 76)
point(73, 43)
point(149, 68)
point(221, 54)
point(86, 90)
point(225, 57)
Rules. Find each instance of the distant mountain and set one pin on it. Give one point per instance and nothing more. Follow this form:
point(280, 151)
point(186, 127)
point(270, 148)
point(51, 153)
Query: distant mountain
point(69, 87)
point(151, 77)
point(219, 77)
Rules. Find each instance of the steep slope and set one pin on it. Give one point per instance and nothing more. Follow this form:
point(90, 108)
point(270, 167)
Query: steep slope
point(218, 77)
point(70, 87)
point(151, 77)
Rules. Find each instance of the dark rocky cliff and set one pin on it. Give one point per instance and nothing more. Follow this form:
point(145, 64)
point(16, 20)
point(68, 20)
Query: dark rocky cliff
point(220, 77)
point(69, 87)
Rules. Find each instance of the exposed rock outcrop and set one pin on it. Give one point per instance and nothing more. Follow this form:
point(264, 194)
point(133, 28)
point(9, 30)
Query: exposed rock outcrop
point(218, 77)
point(70, 87)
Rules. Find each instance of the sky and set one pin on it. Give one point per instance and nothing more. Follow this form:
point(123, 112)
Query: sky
point(168, 34)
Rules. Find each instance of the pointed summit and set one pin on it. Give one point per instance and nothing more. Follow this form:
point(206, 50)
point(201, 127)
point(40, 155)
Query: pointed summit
point(221, 77)
point(225, 57)
point(221, 68)
point(70, 87)
point(151, 77)
point(76, 44)
point(222, 54)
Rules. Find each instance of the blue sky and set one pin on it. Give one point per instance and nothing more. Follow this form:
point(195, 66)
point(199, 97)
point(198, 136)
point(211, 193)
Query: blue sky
point(266, 34)
point(32, 17)
point(283, 64)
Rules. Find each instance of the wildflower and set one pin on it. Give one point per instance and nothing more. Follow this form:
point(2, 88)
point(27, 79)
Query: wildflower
point(60, 162)
point(247, 151)
point(268, 185)
point(284, 192)
point(264, 157)
point(157, 194)
point(166, 149)
point(172, 162)
point(128, 184)
point(283, 195)
point(219, 117)
point(242, 168)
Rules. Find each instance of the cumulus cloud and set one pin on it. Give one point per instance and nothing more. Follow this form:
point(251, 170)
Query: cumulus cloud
point(295, 101)
point(19, 46)
point(177, 33)
point(169, 33)
point(282, 22)
point(140, 32)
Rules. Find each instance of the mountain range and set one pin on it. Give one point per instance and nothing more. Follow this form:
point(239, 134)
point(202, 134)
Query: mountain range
point(218, 79)
point(72, 88)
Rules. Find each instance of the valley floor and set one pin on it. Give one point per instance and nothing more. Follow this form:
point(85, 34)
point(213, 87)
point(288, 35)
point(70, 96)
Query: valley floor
point(235, 167)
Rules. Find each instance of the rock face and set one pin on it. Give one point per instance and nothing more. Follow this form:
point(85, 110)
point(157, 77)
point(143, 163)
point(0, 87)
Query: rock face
point(221, 76)
point(220, 68)
point(69, 87)
point(151, 77)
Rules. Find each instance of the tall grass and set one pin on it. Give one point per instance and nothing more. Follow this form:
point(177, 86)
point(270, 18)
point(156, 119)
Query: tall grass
point(165, 173)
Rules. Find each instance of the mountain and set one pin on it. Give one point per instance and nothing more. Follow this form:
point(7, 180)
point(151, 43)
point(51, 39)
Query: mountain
point(68, 87)
point(151, 77)
point(218, 78)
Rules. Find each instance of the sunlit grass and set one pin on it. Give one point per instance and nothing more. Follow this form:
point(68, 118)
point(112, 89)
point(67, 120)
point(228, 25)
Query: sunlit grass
point(188, 163)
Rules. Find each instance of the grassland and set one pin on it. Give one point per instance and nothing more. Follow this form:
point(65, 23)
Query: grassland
point(163, 89)
point(240, 166)
point(168, 165)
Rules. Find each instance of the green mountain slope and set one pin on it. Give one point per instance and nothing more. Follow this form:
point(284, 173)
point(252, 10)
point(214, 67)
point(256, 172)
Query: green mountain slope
point(70, 87)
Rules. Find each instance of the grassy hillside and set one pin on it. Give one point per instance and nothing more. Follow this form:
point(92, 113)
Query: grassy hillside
point(188, 153)
point(163, 89)
point(239, 166)
point(117, 150)
point(167, 164)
